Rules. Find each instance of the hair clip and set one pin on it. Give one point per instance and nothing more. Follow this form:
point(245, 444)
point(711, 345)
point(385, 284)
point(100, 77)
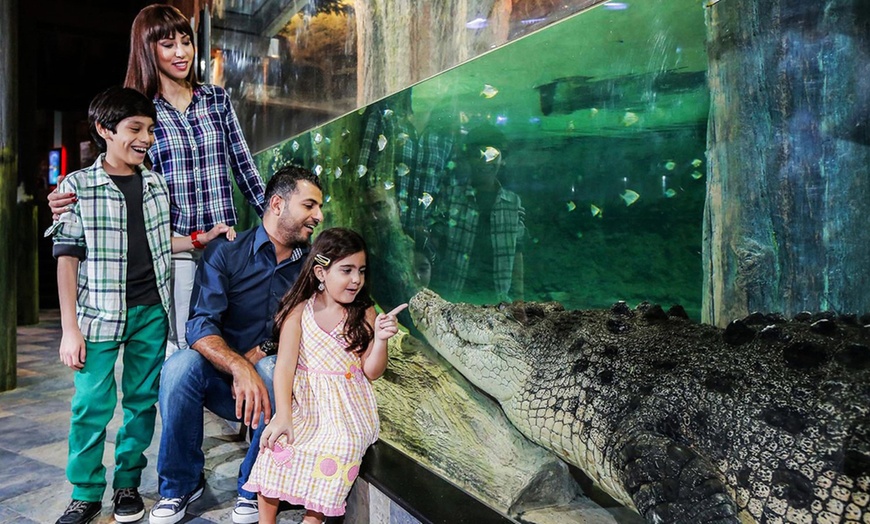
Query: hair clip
point(322, 260)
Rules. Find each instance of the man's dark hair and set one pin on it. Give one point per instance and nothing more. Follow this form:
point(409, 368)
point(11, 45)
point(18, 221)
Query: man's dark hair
point(113, 105)
point(283, 182)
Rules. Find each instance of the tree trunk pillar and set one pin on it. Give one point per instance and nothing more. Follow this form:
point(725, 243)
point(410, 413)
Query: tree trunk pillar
point(8, 185)
point(785, 225)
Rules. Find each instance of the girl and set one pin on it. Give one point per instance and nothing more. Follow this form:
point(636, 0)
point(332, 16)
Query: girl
point(331, 344)
point(197, 140)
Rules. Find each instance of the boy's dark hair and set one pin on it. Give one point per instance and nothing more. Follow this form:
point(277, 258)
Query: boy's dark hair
point(113, 105)
point(283, 182)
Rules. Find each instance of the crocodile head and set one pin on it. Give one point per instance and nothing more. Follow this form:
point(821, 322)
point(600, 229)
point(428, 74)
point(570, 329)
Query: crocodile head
point(486, 344)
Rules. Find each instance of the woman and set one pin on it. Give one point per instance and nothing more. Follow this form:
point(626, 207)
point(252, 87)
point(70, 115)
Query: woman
point(197, 140)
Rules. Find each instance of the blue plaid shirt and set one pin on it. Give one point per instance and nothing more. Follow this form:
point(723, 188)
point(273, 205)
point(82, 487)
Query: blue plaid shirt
point(194, 151)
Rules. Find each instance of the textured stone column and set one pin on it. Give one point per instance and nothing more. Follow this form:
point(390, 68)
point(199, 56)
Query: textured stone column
point(785, 223)
point(8, 184)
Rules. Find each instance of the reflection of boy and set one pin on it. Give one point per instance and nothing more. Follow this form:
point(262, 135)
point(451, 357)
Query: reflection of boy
point(480, 226)
point(113, 254)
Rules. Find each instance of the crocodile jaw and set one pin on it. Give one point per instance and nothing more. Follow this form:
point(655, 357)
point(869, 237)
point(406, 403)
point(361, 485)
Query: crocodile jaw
point(489, 356)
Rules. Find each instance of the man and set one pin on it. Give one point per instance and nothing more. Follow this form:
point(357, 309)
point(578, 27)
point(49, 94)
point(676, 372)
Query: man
point(236, 292)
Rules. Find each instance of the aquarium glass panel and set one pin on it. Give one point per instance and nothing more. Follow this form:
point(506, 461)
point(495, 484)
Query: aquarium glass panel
point(567, 166)
point(290, 65)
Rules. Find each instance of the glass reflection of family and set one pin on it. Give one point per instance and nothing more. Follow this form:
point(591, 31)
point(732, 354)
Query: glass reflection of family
point(118, 223)
point(468, 229)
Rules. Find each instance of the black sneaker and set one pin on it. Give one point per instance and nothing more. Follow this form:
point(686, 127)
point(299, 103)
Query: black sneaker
point(170, 510)
point(128, 505)
point(80, 512)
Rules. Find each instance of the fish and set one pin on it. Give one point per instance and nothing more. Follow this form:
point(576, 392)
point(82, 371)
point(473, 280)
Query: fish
point(490, 153)
point(670, 193)
point(382, 142)
point(697, 162)
point(402, 137)
point(388, 113)
point(451, 165)
point(593, 111)
point(571, 206)
point(488, 91)
point(294, 146)
point(388, 185)
point(327, 198)
point(629, 196)
point(595, 210)
point(570, 125)
point(361, 170)
point(345, 132)
point(697, 175)
point(463, 118)
point(337, 172)
point(402, 169)
point(318, 169)
point(670, 165)
point(345, 159)
point(629, 119)
point(452, 222)
point(426, 200)
point(318, 138)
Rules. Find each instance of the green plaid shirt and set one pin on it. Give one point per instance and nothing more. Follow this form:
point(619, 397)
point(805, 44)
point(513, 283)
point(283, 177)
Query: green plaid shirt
point(95, 231)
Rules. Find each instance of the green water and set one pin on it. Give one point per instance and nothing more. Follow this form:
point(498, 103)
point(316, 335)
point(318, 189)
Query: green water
point(601, 123)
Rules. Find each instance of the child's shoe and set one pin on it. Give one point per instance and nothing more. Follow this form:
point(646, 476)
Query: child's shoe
point(80, 512)
point(128, 505)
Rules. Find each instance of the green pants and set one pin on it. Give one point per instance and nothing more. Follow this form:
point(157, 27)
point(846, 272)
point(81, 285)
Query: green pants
point(94, 402)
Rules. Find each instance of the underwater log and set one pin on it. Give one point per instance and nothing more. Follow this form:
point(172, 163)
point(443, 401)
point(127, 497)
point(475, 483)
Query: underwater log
point(433, 414)
point(785, 225)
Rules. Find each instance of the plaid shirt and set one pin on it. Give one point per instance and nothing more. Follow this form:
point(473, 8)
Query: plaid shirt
point(456, 227)
point(95, 231)
point(194, 151)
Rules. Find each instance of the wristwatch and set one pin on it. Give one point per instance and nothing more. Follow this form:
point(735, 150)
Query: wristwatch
point(269, 347)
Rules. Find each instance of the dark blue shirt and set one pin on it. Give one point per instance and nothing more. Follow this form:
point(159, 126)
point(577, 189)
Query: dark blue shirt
point(237, 289)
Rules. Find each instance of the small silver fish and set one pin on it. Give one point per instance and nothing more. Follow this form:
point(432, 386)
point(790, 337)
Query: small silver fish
point(388, 185)
point(318, 169)
point(629, 119)
point(402, 169)
point(345, 132)
point(426, 200)
point(670, 165)
point(595, 210)
point(670, 193)
point(629, 196)
point(593, 111)
point(327, 198)
point(697, 175)
point(294, 146)
point(451, 165)
point(388, 113)
point(382, 142)
point(490, 153)
point(361, 170)
point(318, 138)
point(402, 137)
point(488, 91)
point(571, 206)
point(337, 172)
point(463, 117)
point(697, 162)
point(345, 159)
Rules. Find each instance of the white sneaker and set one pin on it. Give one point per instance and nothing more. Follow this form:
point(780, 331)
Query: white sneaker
point(171, 510)
point(246, 511)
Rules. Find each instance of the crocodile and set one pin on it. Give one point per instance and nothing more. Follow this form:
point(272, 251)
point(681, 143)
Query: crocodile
point(764, 421)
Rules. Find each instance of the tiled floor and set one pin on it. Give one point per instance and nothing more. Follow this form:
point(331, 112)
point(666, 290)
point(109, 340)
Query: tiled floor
point(34, 421)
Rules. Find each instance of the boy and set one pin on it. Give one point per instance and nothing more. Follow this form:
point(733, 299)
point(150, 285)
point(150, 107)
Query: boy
point(113, 259)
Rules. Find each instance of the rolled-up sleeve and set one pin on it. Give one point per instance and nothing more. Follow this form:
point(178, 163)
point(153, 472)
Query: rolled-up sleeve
point(208, 303)
point(68, 232)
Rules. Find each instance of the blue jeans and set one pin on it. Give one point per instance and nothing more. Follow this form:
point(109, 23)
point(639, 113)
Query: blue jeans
point(188, 383)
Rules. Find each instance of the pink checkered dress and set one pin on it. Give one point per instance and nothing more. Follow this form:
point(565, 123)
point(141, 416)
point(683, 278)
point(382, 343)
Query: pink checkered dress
point(335, 418)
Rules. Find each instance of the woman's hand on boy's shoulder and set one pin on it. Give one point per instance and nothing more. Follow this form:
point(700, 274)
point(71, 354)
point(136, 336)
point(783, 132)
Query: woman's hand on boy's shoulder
point(60, 203)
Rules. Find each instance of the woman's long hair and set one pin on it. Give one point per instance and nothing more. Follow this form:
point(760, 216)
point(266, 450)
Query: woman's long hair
point(330, 247)
point(152, 24)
